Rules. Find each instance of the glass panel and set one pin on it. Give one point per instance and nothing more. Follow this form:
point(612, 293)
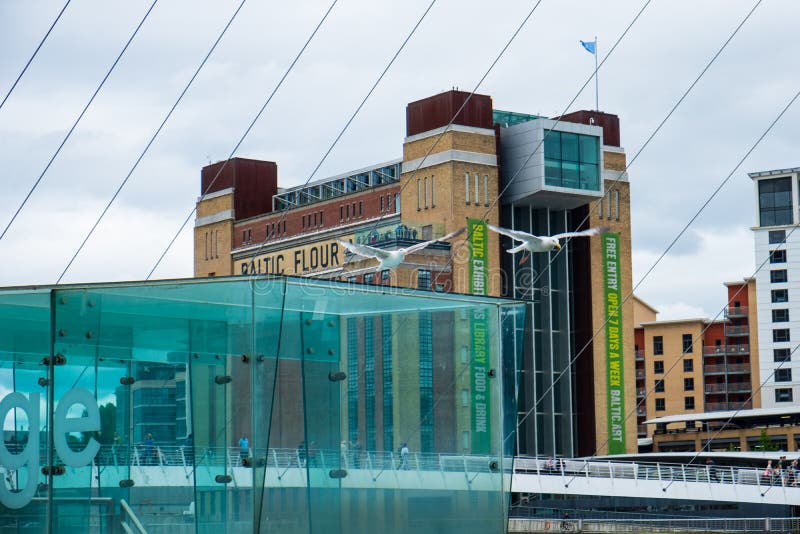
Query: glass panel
point(552, 172)
point(588, 148)
point(552, 145)
point(224, 406)
point(569, 175)
point(589, 177)
point(569, 146)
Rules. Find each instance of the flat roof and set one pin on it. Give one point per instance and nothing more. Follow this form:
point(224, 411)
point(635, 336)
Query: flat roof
point(775, 172)
point(725, 415)
point(677, 321)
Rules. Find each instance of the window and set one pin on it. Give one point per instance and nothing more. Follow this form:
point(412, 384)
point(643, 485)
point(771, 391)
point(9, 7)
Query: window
point(477, 190)
point(383, 203)
point(486, 190)
point(783, 375)
point(661, 405)
point(777, 256)
point(777, 276)
point(419, 194)
point(386, 277)
point(783, 395)
point(433, 191)
point(466, 187)
point(780, 316)
point(777, 236)
point(464, 397)
point(781, 355)
point(423, 279)
point(687, 342)
point(780, 295)
point(688, 365)
point(659, 387)
point(658, 367)
point(658, 345)
point(341, 213)
point(360, 208)
point(688, 403)
point(688, 384)
point(780, 335)
point(571, 160)
point(775, 201)
point(369, 278)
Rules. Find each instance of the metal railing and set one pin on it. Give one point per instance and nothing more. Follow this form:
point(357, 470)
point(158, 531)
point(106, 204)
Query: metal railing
point(737, 330)
point(722, 350)
point(660, 471)
point(730, 368)
point(725, 406)
point(520, 522)
point(732, 387)
point(736, 311)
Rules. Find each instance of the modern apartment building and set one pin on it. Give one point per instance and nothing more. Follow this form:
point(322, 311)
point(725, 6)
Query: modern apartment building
point(777, 258)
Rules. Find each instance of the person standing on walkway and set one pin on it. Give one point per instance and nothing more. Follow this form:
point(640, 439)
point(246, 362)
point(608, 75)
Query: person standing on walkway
point(404, 456)
point(244, 448)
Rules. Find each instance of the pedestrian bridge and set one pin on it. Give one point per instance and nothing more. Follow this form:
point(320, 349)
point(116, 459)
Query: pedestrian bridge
point(288, 468)
point(654, 480)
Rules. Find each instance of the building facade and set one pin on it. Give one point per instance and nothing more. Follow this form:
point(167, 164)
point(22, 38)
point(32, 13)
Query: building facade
point(464, 163)
point(777, 246)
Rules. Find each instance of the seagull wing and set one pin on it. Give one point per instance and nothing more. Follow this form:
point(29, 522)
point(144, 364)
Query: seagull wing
point(517, 235)
point(420, 246)
point(365, 250)
point(591, 231)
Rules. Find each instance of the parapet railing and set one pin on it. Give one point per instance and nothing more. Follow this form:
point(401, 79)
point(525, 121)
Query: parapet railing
point(663, 472)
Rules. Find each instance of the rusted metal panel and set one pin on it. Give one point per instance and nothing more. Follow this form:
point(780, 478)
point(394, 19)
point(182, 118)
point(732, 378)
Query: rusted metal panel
point(254, 182)
point(437, 111)
point(607, 121)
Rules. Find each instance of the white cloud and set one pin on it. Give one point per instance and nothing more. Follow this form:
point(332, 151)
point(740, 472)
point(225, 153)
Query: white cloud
point(691, 285)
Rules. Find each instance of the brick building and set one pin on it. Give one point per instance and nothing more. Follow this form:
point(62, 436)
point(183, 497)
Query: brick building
point(521, 171)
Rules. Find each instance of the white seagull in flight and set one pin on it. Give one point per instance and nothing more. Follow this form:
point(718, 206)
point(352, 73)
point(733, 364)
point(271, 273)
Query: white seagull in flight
point(533, 243)
point(389, 259)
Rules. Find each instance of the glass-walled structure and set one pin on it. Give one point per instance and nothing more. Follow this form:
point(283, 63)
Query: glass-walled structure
point(255, 405)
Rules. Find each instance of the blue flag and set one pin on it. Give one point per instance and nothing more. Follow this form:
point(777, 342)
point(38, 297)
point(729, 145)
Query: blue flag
point(590, 46)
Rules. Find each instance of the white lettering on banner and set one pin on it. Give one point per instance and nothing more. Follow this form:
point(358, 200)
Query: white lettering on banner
point(62, 425)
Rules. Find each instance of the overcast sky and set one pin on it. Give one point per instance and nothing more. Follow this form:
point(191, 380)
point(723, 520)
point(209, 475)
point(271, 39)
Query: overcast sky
point(543, 69)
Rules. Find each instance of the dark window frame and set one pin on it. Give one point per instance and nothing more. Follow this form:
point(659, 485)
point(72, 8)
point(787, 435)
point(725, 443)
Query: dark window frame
point(658, 345)
point(778, 276)
point(688, 384)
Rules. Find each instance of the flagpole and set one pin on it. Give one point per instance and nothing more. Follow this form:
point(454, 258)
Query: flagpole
point(596, 84)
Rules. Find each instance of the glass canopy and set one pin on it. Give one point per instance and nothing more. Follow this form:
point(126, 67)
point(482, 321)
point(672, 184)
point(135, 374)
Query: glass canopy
point(254, 405)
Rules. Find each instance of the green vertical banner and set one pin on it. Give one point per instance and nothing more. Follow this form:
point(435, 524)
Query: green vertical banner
point(615, 371)
point(478, 329)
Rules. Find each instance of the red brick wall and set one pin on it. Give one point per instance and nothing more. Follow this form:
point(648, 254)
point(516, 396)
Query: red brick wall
point(367, 206)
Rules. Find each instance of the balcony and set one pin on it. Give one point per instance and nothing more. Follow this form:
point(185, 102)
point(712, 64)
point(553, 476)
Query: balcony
point(722, 350)
point(724, 406)
point(732, 387)
point(641, 411)
point(641, 393)
point(639, 355)
point(731, 368)
point(639, 373)
point(642, 430)
point(735, 331)
point(736, 311)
